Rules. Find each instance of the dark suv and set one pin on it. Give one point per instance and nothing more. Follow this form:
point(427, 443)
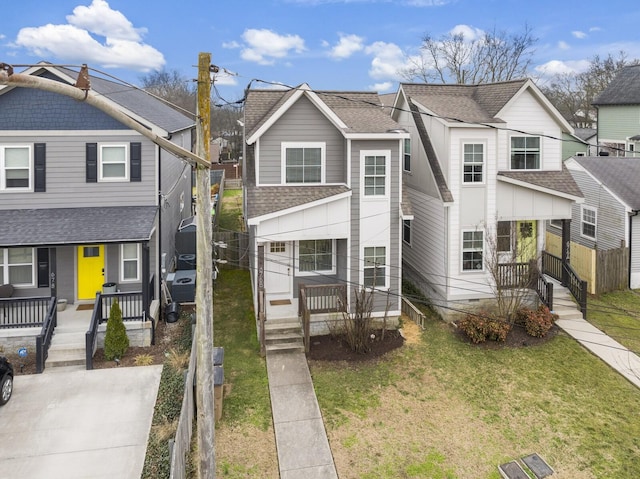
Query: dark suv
point(6, 380)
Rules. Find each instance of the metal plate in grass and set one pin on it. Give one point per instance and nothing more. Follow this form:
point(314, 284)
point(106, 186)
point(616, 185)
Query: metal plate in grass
point(537, 465)
point(512, 470)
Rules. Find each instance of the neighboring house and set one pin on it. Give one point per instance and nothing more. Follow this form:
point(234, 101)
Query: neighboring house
point(581, 143)
point(483, 173)
point(323, 189)
point(84, 200)
point(607, 220)
point(619, 114)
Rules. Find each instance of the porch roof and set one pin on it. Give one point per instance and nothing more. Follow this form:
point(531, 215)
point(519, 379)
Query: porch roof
point(58, 226)
point(263, 200)
point(560, 181)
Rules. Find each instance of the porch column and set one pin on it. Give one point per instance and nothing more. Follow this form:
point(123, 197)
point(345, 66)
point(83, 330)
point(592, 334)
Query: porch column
point(145, 278)
point(53, 269)
point(566, 249)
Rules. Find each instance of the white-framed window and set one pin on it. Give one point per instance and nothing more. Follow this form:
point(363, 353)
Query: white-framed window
point(130, 262)
point(375, 173)
point(588, 218)
point(16, 167)
point(113, 164)
point(406, 162)
point(525, 152)
point(472, 250)
point(406, 231)
point(277, 247)
point(316, 256)
point(504, 237)
point(375, 271)
point(17, 266)
point(556, 223)
point(303, 163)
point(473, 163)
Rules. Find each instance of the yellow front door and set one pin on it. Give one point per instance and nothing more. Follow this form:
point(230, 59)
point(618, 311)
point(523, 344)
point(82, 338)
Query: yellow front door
point(90, 270)
point(526, 240)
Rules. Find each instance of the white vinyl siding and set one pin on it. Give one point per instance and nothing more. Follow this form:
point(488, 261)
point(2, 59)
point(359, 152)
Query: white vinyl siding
point(588, 222)
point(15, 167)
point(16, 266)
point(113, 162)
point(303, 163)
point(130, 262)
point(472, 250)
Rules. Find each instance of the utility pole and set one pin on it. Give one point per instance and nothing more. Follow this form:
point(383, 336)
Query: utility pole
point(204, 278)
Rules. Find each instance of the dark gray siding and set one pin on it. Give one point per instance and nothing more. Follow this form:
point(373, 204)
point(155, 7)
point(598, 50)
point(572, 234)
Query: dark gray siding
point(303, 122)
point(29, 109)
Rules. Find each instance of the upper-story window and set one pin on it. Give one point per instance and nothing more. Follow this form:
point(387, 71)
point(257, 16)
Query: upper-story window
point(375, 172)
point(303, 162)
point(113, 163)
point(406, 165)
point(15, 167)
point(525, 152)
point(473, 168)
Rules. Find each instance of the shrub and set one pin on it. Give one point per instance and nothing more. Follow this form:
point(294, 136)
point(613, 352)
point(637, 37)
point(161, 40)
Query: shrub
point(537, 323)
point(116, 341)
point(143, 360)
point(483, 326)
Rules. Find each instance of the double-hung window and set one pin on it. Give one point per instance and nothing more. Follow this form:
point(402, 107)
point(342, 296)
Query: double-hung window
point(406, 231)
point(375, 175)
point(473, 167)
point(303, 162)
point(406, 165)
point(472, 250)
point(375, 260)
point(316, 255)
point(113, 163)
point(588, 222)
point(15, 167)
point(130, 262)
point(16, 266)
point(525, 152)
point(503, 237)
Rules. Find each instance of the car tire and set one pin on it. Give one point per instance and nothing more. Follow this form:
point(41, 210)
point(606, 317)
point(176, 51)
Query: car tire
point(6, 388)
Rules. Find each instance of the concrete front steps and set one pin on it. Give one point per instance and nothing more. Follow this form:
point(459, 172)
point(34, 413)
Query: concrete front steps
point(67, 346)
point(564, 305)
point(283, 335)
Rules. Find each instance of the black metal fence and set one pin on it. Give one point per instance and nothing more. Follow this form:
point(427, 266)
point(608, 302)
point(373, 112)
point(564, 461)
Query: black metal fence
point(43, 340)
point(23, 312)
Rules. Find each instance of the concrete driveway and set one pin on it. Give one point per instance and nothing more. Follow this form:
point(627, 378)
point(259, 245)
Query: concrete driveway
point(78, 424)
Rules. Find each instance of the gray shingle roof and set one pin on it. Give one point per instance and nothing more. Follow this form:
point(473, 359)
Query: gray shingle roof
point(624, 89)
point(471, 103)
point(560, 181)
point(620, 175)
point(263, 200)
point(76, 225)
point(155, 111)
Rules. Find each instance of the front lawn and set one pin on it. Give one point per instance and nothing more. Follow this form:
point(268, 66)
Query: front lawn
point(618, 315)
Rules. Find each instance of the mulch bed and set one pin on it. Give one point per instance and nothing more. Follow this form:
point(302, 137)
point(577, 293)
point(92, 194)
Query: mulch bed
point(334, 348)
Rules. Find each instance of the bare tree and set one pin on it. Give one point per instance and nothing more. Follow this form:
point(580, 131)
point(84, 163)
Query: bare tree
point(172, 86)
point(494, 56)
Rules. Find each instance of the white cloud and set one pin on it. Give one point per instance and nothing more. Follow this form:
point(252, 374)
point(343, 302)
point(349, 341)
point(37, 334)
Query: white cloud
point(347, 46)
point(263, 46)
point(231, 45)
point(578, 34)
point(563, 45)
point(467, 31)
point(382, 87)
point(595, 29)
point(388, 61)
point(73, 42)
point(2, 37)
point(555, 67)
point(225, 78)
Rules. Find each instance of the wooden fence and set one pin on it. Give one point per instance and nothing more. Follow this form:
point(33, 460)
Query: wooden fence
point(413, 313)
point(236, 252)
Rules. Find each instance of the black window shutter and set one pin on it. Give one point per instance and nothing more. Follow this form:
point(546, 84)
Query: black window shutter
point(40, 167)
point(92, 162)
point(135, 161)
point(43, 267)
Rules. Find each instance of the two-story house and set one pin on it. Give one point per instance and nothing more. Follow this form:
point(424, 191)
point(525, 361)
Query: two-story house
point(483, 174)
point(619, 114)
point(322, 175)
point(84, 200)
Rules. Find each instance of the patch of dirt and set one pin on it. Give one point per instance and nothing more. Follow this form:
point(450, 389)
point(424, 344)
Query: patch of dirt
point(335, 348)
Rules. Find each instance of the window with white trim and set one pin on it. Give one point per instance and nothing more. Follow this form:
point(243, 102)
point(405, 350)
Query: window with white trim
point(375, 272)
point(588, 217)
point(375, 178)
point(15, 167)
point(130, 262)
point(112, 162)
point(503, 237)
point(16, 266)
point(556, 223)
point(473, 163)
point(316, 255)
point(525, 152)
point(406, 231)
point(303, 162)
point(406, 165)
point(472, 250)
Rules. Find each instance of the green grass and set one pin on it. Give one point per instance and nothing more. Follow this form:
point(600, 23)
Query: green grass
point(231, 211)
point(245, 371)
point(618, 315)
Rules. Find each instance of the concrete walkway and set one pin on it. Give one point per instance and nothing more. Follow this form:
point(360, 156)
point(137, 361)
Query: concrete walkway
point(610, 351)
point(301, 439)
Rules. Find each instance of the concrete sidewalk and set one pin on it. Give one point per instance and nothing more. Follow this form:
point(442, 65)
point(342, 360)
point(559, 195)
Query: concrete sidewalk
point(301, 439)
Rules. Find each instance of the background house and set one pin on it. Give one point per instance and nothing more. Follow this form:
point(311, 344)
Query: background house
point(323, 191)
point(483, 172)
point(619, 114)
point(605, 229)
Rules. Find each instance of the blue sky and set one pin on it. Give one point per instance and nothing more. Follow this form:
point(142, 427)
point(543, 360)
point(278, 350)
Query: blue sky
point(330, 44)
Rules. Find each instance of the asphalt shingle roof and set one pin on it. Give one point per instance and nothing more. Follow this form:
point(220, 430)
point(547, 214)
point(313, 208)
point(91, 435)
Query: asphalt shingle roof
point(624, 89)
point(560, 181)
point(263, 200)
point(56, 226)
point(620, 175)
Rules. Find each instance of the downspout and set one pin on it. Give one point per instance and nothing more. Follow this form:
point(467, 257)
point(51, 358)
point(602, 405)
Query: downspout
point(159, 232)
point(633, 213)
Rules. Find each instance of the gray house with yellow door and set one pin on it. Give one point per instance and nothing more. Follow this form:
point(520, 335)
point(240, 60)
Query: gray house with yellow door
point(86, 203)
